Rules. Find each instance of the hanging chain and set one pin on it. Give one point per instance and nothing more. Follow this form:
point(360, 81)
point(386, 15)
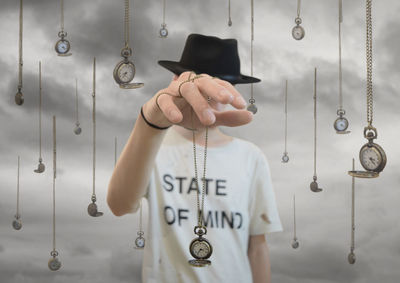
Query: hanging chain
point(164, 7)
point(200, 206)
point(286, 116)
point(76, 101)
point(140, 220)
point(353, 227)
point(340, 56)
point(315, 122)
point(251, 48)
point(18, 187)
point(40, 110)
point(94, 127)
point(54, 182)
point(20, 64)
point(294, 215)
point(126, 24)
point(298, 8)
point(62, 16)
point(229, 10)
point(369, 63)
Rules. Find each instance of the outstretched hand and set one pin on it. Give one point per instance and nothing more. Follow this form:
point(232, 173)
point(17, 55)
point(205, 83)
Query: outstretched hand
point(194, 101)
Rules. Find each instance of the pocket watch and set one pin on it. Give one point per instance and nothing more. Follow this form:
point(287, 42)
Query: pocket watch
point(200, 248)
point(41, 167)
point(351, 258)
point(19, 97)
point(372, 156)
point(140, 241)
point(125, 70)
point(93, 211)
point(54, 263)
point(163, 31)
point(314, 185)
point(17, 224)
point(298, 32)
point(285, 158)
point(295, 243)
point(63, 46)
point(77, 129)
point(341, 123)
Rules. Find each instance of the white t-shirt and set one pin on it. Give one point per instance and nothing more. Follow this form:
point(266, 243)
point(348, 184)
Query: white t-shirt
point(239, 202)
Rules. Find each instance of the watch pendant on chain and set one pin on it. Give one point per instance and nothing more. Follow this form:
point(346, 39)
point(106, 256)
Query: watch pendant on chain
point(163, 31)
point(63, 46)
point(140, 241)
point(372, 156)
point(298, 32)
point(54, 263)
point(200, 248)
point(341, 123)
point(125, 70)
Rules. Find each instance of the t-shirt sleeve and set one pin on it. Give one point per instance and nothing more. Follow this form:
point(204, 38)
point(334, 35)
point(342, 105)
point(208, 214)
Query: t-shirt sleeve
point(264, 215)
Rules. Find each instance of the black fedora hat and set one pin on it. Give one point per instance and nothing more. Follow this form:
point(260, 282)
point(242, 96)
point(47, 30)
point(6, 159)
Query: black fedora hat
point(210, 55)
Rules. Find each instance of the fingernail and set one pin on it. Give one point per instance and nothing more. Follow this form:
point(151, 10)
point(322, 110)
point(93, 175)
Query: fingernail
point(240, 101)
point(209, 115)
point(224, 92)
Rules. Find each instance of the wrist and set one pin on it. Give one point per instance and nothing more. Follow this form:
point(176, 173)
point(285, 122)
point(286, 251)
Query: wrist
point(152, 114)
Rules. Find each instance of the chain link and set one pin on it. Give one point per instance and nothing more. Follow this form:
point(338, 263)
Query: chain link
point(286, 116)
point(229, 10)
point(62, 16)
point(315, 122)
point(200, 206)
point(126, 23)
point(252, 47)
point(340, 56)
point(40, 110)
point(369, 62)
point(353, 227)
point(20, 64)
point(54, 181)
point(18, 186)
point(294, 215)
point(76, 101)
point(298, 8)
point(164, 8)
point(140, 219)
point(94, 127)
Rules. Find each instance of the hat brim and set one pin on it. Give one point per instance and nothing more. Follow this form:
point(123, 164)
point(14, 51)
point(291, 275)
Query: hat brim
point(177, 68)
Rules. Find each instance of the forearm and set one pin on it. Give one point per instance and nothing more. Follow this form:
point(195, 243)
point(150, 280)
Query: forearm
point(259, 261)
point(132, 172)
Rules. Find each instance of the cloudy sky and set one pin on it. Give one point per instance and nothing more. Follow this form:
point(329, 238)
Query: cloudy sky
point(101, 250)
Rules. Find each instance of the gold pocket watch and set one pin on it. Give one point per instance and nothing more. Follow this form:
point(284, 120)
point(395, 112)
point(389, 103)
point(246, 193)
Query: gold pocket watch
point(140, 241)
point(372, 156)
point(125, 70)
point(62, 46)
point(200, 248)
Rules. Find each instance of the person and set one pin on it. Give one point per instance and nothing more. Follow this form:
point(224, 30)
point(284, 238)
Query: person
point(157, 163)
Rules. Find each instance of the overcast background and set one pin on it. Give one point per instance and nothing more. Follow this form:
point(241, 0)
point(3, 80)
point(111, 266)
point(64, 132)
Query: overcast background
point(101, 249)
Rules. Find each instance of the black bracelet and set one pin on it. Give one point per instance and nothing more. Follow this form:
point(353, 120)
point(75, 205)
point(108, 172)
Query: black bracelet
point(150, 124)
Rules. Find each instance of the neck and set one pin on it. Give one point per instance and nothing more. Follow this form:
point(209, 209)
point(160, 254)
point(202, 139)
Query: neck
point(215, 136)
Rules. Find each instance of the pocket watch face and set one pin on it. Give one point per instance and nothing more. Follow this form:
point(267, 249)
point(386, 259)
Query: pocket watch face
point(140, 242)
point(54, 264)
point(295, 244)
point(163, 32)
point(126, 72)
point(285, 158)
point(372, 157)
point(17, 224)
point(298, 32)
point(252, 108)
point(200, 249)
point(341, 124)
point(62, 46)
point(77, 130)
point(19, 98)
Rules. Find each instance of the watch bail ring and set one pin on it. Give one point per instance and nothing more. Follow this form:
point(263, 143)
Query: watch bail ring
point(54, 253)
point(200, 230)
point(340, 112)
point(370, 132)
point(252, 100)
point(126, 52)
point(298, 21)
point(62, 34)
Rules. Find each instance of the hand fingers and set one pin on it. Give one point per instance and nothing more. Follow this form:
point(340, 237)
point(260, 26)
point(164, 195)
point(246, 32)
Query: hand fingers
point(199, 104)
point(233, 118)
point(238, 102)
point(168, 107)
point(208, 86)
